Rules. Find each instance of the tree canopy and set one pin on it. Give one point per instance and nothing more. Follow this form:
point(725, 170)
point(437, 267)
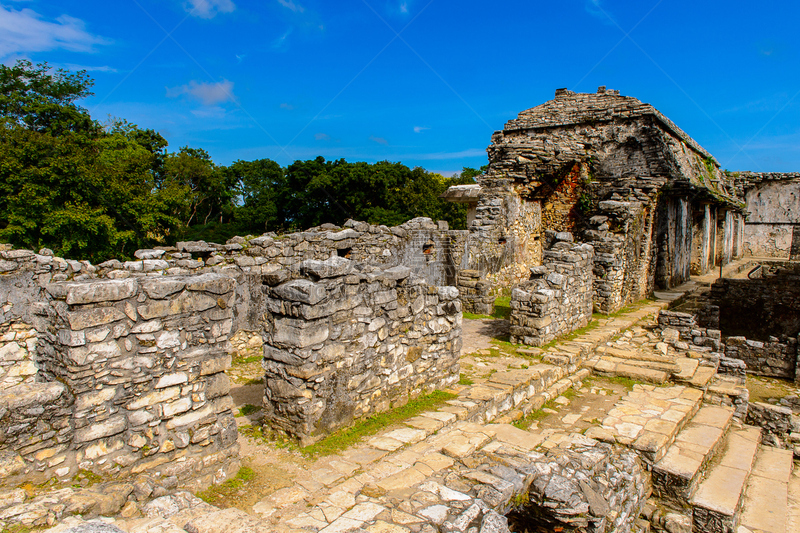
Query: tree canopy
point(89, 190)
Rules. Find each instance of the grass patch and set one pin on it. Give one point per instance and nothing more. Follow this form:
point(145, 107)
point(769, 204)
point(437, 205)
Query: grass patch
point(628, 383)
point(464, 380)
point(762, 389)
point(539, 414)
point(502, 307)
point(627, 309)
point(347, 437)
point(227, 489)
point(502, 310)
point(247, 360)
point(248, 409)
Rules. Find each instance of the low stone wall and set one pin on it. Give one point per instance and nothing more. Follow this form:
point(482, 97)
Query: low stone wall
point(682, 332)
point(767, 306)
point(132, 381)
point(559, 297)
point(475, 292)
point(774, 358)
point(775, 422)
point(346, 340)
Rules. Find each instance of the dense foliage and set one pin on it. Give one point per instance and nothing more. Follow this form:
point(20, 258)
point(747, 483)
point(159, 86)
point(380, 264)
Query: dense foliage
point(88, 190)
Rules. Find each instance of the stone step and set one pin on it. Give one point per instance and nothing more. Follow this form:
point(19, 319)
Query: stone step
point(718, 499)
point(688, 367)
point(676, 474)
point(728, 390)
point(702, 377)
point(648, 419)
point(766, 498)
point(793, 515)
point(610, 366)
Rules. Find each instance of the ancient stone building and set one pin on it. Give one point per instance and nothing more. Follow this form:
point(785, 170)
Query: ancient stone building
point(617, 174)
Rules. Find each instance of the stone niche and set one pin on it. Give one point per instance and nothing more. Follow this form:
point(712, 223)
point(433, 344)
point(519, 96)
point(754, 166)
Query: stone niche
point(344, 340)
point(131, 379)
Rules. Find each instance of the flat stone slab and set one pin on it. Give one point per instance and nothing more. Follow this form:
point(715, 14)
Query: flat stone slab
point(774, 463)
point(721, 490)
point(765, 504)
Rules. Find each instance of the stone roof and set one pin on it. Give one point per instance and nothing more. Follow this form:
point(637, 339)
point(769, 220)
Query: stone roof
point(570, 109)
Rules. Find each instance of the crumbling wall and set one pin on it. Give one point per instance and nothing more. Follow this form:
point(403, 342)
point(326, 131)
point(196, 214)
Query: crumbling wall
point(475, 292)
point(346, 340)
point(774, 358)
point(773, 213)
point(760, 308)
point(133, 382)
point(558, 298)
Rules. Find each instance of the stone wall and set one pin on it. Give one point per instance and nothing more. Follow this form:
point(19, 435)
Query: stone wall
point(771, 358)
point(768, 306)
point(558, 298)
point(132, 381)
point(475, 292)
point(773, 212)
point(346, 340)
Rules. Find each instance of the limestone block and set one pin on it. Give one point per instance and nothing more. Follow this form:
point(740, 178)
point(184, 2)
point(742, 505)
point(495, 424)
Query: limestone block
point(192, 417)
point(218, 385)
point(90, 318)
point(300, 333)
point(159, 288)
point(186, 302)
point(12, 352)
point(301, 290)
point(100, 291)
point(213, 283)
point(214, 364)
point(87, 400)
point(152, 398)
point(114, 425)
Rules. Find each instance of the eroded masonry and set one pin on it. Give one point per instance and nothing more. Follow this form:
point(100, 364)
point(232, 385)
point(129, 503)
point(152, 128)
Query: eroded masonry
point(590, 202)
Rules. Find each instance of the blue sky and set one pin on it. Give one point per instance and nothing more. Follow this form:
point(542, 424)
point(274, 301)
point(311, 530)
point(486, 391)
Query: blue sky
point(424, 82)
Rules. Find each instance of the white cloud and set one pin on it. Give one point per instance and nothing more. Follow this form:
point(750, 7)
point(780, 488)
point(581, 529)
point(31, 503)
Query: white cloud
point(208, 93)
point(287, 106)
point(404, 7)
point(420, 129)
point(209, 8)
point(25, 31)
point(280, 42)
point(379, 140)
point(594, 8)
point(289, 4)
point(322, 137)
point(88, 68)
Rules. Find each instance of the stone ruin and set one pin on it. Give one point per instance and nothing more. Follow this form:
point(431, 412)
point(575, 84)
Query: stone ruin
point(590, 202)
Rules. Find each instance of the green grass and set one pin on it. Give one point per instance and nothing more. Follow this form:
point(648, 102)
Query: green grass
point(539, 414)
point(247, 409)
point(247, 360)
point(502, 310)
point(226, 489)
point(464, 380)
point(347, 437)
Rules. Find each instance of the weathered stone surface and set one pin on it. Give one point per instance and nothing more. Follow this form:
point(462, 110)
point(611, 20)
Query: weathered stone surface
point(100, 291)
